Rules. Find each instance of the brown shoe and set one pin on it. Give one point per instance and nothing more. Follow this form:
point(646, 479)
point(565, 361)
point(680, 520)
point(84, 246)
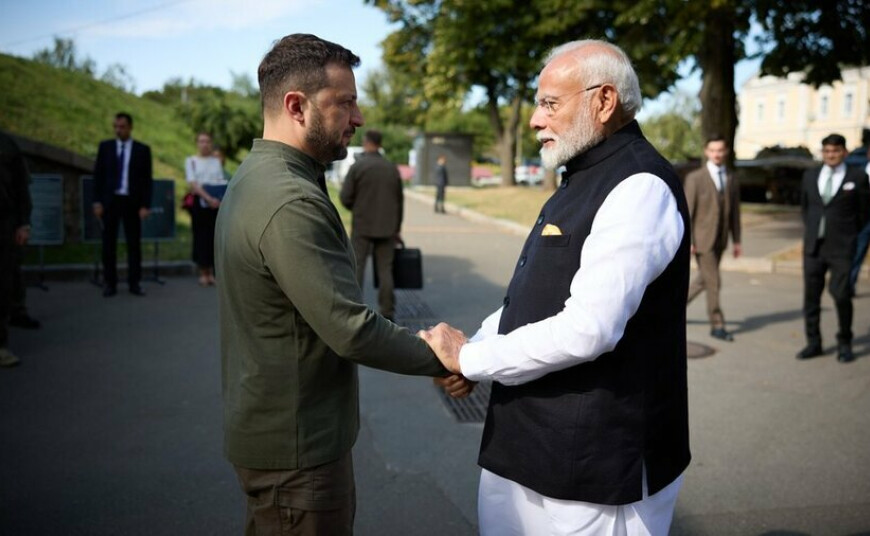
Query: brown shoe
point(7, 358)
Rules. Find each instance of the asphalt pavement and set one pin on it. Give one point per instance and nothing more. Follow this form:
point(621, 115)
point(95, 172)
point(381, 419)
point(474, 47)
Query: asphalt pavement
point(112, 423)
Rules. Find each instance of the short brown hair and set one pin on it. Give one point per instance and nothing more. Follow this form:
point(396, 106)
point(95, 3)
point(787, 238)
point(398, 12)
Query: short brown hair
point(373, 136)
point(297, 62)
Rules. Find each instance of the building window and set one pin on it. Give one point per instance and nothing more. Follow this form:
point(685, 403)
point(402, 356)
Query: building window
point(760, 112)
point(823, 106)
point(780, 110)
point(847, 104)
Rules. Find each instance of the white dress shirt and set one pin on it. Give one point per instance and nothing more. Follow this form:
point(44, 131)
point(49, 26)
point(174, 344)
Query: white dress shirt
point(634, 236)
point(124, 189)
point(836, 180)
point(204, 170)
point(713, 169)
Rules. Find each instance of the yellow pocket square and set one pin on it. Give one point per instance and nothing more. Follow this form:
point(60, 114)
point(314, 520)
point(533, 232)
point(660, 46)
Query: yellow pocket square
point(551, 230)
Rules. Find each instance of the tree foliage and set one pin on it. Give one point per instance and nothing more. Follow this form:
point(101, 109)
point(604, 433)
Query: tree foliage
point(231, 117)
point(448, 47)
point(676, 131)
point(65, 56)
point(808, 36)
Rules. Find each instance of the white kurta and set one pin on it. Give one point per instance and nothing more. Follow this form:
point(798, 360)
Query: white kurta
point(634, 237)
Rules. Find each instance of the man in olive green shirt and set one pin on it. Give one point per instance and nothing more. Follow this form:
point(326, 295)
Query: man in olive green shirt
point(293, 325)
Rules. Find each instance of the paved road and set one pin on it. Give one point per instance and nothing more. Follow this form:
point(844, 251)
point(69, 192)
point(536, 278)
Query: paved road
point(112, 423)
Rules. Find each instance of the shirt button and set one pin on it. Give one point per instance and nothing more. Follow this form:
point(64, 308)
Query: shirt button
point(540, 220)
point(506, 301)
point(523, 260)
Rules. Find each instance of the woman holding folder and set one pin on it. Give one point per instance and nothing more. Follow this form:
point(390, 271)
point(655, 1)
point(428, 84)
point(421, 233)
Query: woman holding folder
point(205, 178)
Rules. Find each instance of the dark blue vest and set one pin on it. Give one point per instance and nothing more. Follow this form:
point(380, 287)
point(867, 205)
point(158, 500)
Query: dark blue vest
point(584, 433)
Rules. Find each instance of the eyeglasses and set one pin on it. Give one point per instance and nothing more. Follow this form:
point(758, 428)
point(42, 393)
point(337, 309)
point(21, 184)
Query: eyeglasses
point(550, 105)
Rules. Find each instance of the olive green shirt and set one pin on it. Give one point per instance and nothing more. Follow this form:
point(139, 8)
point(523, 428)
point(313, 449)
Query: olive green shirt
point(293, 323)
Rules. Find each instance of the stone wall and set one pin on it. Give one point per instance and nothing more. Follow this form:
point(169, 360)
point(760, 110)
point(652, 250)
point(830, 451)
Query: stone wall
point(45, 158)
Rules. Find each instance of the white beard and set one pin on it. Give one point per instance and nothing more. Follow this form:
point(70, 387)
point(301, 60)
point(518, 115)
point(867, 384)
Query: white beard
point(580, 138)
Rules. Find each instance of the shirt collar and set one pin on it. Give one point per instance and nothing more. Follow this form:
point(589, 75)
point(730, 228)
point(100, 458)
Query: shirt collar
point(714, 169)
point(303, 164)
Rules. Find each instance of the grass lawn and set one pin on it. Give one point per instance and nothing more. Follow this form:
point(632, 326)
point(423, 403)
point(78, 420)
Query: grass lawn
point(519, 204)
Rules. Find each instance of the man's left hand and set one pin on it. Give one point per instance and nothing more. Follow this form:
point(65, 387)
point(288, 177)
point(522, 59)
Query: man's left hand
point(455, 385)
point(22, 235)
point(143, 213)
point(737, 250)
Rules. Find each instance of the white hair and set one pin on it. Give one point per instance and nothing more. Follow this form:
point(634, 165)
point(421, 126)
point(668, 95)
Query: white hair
point(608, 65)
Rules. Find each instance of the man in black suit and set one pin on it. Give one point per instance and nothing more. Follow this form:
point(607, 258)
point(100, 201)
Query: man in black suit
point(834, 202)
point(372, 191)
point(122, 193)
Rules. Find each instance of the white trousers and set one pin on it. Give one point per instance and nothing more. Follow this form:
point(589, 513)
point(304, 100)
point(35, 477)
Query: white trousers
point(505, 508)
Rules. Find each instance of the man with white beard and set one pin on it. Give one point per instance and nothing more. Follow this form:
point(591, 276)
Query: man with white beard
point(587, 427)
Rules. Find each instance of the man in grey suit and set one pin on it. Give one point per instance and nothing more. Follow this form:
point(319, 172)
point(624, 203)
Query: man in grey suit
point(372, 191)
point(713, 195)
point(834, 202)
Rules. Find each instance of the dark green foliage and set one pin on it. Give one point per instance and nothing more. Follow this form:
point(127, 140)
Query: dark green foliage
point(231, 117)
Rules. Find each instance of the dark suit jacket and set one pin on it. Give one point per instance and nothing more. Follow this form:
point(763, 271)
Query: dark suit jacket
point(372, 191)
point(705, 212)
point(845, 214)
point(138, 175)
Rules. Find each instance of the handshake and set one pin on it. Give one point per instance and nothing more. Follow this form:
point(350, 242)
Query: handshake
point(446, 342)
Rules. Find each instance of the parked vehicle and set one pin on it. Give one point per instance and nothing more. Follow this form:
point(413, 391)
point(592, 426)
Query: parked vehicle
point(529, 173)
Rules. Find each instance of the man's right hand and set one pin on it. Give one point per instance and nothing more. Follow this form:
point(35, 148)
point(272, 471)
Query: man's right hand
point(446, 342)
point(98, 210)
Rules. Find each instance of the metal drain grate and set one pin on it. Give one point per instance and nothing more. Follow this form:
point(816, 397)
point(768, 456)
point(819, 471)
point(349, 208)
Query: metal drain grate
point(696, 350)
point(415, 314)
point(410, 305)
point(471, 408)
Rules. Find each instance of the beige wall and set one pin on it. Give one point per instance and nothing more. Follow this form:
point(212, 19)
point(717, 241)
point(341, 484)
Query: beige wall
point(782, 111)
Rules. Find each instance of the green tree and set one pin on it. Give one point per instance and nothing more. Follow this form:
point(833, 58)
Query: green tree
point(65, 56)
point(231, 117)
point(448, 47)
point(808, 36)
point(676, 131)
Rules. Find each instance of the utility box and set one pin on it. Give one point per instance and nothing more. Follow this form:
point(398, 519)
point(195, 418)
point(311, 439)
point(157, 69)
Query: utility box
point(456, 148)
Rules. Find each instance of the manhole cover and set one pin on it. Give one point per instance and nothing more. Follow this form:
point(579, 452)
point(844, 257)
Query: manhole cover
point(471, 408)
point(696, 350)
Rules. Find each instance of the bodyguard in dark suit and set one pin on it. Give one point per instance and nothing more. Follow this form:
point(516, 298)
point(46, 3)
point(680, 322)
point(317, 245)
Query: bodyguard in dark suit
point(372, 191)
point(122, 193)
point(834, 202)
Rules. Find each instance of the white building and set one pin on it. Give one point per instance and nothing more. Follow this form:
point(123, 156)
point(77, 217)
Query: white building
point(783, 111)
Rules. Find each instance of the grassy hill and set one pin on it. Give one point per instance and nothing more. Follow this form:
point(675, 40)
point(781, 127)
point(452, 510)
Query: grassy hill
point(70, 110)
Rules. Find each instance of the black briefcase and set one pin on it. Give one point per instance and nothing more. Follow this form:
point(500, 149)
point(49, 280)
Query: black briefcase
point(407, 268)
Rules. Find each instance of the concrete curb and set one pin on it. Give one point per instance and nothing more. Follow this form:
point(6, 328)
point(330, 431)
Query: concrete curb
point(750, 265)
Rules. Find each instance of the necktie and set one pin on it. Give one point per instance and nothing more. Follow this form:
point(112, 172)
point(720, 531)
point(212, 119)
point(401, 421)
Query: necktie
point(721, 179)
point(119, 179)
point(827, 194)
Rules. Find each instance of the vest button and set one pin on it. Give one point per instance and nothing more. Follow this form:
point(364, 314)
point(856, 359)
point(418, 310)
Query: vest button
point(523, 260)
point(506, 301)
point(540, 220)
